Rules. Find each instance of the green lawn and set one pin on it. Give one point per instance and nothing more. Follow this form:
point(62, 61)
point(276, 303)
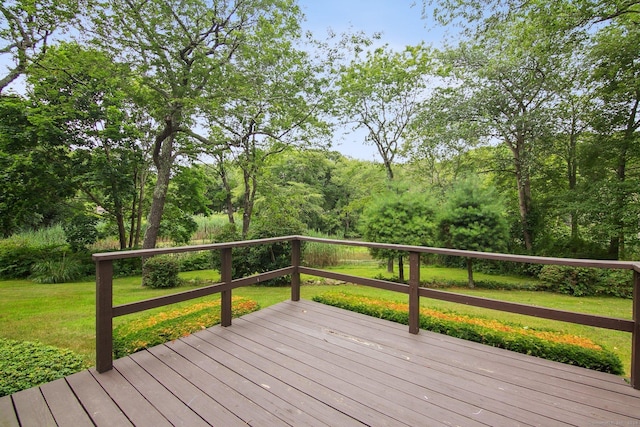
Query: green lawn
point(63, 315)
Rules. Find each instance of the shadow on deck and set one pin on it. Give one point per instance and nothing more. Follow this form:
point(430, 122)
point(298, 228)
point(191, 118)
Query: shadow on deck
point(304, 363)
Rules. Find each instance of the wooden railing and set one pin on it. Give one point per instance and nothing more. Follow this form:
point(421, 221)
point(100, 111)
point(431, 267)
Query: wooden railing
point(105, 311)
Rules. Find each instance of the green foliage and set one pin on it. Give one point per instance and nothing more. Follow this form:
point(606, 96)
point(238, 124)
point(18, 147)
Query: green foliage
point(472, 220)
point(480, 284)
point(81, 231)
point(267, 257)
point(192, 261)
point(406, 218)
point(17, 259)
point(579, 281)
point(177, 225)
point(320, 255)
point(157, 329)
point(161, 272)
point(587, 355)
point(58, 268)
point(28, 364)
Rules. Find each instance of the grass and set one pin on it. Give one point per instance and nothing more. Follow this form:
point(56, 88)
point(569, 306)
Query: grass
point(63, 315)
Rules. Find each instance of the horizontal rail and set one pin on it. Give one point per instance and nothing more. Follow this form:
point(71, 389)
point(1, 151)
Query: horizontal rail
point(138, 253)
point(374, 283)
point(612, 323)
point(573, 262)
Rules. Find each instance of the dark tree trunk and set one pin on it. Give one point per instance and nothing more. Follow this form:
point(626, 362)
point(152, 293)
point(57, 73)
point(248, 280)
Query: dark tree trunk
point(472, 284)
point(163, 159)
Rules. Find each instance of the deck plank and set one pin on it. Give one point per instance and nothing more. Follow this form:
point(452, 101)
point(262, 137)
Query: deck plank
point(385, 386)
point(203, 353)
point(170, 406)
point(32, 408)
point(102, 410)
point(139, 411)
point(63, 404)
point(329, 393)
point(489, 366)
point(8, 417)
point(249, 400)
point(403, 378)
point(203, 404)
point(308, 364)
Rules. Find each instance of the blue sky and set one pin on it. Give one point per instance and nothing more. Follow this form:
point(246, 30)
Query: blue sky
point(400, 23)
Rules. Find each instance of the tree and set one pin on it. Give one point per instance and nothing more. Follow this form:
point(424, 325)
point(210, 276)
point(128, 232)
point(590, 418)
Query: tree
point(26, 26)
point(616, 76)
point(82, 94)
point(407, 219)
point(512, 75)
point(272, 101)
point(34, 169)
point(471, 219)
point(382, 93)
point(180, 48)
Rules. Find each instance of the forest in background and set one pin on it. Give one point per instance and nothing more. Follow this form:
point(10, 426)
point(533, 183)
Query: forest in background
point(138, 115)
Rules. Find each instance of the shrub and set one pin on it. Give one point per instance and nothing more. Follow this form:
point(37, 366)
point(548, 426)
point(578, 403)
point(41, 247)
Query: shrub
point(17, 258)
point(579, 281)
point(193, 261)
point(161, 272)
point(81, 231)
point(480, 284)
point(28, 364)
point(545, 344)
point(58, 269)
point(153, 330)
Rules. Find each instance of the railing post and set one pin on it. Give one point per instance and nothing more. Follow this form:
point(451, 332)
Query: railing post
point(104, 315)
point(225, 296)
point(414, 296)
point(295, 276)
point(635, 335)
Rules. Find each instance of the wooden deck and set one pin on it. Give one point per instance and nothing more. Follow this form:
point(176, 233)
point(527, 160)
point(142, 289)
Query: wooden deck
point(306, 364)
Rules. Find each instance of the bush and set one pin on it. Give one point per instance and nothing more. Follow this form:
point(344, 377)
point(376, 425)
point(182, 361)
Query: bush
point(58, 269)
point(167, 326)
point(17, 258)
point(545, 344)
point(193, 261)
point(480, 284)
point(29, 364)
point(161, 272)
point(81, 231)
point(579, 281)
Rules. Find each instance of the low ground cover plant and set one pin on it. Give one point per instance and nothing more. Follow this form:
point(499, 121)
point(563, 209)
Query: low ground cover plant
point(546, 344)
point(26, 364)
point(169, 325)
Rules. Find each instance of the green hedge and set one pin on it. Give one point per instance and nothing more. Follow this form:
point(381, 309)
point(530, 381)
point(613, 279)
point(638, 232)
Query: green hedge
point(580, 281)
point(28, 364)
point(515, 339)
point(479, 284)
point(157, 329)
point(161, 272)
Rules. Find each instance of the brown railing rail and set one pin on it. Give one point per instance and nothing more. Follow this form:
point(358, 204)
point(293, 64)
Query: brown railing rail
point(105, 311)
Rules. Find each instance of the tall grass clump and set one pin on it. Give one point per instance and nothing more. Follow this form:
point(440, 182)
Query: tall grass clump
point(208, 227)
point(50, 236)
point(320, 255)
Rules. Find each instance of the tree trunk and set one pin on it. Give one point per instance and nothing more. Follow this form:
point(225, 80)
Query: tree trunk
point(400, 269)
point(472, 284)
point(163, 161)
point(122, 232)
point(524, 190)
point(143, 180)
point(390, 265)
